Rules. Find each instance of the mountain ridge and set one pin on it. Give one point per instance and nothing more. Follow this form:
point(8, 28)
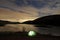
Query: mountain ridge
point(53, 20)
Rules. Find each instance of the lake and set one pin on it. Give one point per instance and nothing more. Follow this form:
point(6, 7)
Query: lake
point(28, 27)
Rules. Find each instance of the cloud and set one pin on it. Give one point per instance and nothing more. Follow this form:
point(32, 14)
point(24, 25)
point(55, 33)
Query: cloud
point(26, 14)
point(9, 10)
point(52, 8)
point(28, 10)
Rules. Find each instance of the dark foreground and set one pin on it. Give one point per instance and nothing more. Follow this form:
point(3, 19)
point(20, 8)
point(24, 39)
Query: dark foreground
point(24, 36)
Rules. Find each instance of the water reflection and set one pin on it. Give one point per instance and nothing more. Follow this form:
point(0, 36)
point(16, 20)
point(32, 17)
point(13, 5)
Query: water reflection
point(27, 27)
point(18, 27)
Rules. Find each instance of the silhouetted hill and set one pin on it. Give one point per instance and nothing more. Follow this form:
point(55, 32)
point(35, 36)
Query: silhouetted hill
point(2, 22)
point(48, 20)
point(53, 20)
point(28, 22)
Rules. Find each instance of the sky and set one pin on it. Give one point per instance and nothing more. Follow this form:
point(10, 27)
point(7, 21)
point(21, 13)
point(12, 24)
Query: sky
point(23, 10)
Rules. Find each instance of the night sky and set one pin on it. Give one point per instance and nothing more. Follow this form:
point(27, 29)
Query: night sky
point(22, 10)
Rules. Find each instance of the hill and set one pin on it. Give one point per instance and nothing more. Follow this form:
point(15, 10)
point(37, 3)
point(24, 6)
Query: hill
point(53, 20)
point(49, 20)
point(2, 22)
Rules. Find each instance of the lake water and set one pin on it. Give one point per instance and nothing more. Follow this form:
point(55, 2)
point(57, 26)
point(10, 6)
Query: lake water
point(27, 27)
